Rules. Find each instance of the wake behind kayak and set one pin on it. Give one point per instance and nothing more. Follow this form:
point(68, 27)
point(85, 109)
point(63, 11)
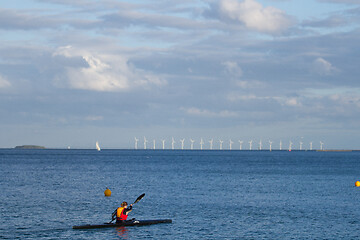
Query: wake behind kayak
point(125, 223)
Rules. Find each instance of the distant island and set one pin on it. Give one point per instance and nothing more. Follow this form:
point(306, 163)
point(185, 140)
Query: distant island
point(29, 147)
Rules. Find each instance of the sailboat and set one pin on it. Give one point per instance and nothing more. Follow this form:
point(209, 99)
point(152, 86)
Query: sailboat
point(97, 146)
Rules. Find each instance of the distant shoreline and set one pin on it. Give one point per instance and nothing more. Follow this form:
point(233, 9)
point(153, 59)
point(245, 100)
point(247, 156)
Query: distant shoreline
point(207, 150)
point(30, 147)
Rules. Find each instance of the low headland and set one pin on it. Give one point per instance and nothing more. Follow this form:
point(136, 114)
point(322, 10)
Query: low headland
point(29, 147)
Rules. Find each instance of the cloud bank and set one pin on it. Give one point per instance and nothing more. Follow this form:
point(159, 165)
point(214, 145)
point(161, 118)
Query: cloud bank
point(229, 67)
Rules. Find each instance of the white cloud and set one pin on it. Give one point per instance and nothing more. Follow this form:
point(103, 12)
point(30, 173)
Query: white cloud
point(94, 118)
point(250, 84)
point(4, 83)
point(254, 16)
point(345, 96)
point(104, 72)
point(233, 69)
point(323, 67)
point(292, 102)
point(206, 113)
point(234, 97)
point(286, 101)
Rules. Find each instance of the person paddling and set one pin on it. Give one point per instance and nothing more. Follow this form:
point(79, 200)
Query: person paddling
point(121, 213)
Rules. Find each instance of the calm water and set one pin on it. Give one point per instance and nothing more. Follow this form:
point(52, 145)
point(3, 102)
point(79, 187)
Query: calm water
point(208, 194)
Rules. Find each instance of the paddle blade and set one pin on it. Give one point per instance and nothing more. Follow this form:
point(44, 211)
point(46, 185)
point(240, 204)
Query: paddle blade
point(139, 198)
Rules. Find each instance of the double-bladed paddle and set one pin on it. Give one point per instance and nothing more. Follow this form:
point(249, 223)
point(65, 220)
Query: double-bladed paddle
point(136, 201)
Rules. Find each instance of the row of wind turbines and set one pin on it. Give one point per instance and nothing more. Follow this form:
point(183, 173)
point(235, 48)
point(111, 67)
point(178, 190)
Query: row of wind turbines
point(211, 144)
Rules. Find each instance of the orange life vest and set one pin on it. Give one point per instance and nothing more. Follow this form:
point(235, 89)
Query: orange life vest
point(120, 214)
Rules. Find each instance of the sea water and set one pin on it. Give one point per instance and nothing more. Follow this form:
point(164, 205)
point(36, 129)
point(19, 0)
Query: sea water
point(207, 194)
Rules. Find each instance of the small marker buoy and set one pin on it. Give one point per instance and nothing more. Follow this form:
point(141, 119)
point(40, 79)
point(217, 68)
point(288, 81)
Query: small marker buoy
point(107, 192)
point(357, 184)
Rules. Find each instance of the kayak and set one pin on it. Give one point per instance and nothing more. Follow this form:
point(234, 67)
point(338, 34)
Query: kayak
point(125, 223)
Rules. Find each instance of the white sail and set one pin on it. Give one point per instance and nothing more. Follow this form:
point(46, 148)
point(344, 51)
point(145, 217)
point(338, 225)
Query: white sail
point(97, 146)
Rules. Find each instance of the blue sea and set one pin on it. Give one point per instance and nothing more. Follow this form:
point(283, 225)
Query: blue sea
point(207, 194)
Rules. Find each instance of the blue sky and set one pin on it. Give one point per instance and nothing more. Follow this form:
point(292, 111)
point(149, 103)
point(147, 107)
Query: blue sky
point(76, 72)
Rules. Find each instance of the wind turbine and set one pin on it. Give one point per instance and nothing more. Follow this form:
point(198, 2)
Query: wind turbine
point(172, 143)
point(201, 144)
point(145, 141)
point(163, 143)
point(211, 143)
point(221, 142)
point(301, 143)
point(230, 144)
point(280, 145)
point(241, 142)
point(192, 144)
point(136, 143)
point(250, 144)
point(290, 144)
point(182, 143)
point(270, 142)
point(310, 146)
point(321, 145)
point(154, 144)
point(260, 145)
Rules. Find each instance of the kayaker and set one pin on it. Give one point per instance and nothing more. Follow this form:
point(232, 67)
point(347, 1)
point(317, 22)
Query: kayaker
point(121, 213)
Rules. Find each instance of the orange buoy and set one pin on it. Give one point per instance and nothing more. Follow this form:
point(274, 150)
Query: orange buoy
point(107, 192)
point(357, 184)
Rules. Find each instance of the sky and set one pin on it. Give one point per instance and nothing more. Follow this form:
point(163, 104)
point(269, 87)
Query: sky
point(76, 72)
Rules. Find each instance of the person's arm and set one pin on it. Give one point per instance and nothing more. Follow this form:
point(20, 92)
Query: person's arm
point(127, 210)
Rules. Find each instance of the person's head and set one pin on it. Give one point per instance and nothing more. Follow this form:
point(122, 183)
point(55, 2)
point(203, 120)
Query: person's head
point(124, 204)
